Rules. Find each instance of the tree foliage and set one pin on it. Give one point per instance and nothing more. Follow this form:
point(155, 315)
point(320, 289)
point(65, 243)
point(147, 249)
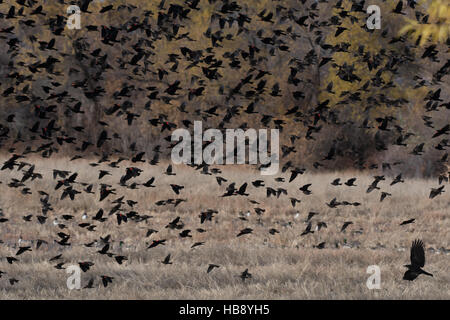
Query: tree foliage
point(434, 26)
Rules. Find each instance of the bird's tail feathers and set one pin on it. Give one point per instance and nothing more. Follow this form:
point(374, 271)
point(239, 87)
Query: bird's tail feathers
point(426, 273)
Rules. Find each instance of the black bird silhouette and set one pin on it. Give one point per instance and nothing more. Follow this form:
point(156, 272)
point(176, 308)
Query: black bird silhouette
point(345, 225)
point(211, 267)
point(90, 284)
point(242, 189)
point(245, 275)
point(86, 265)
point(167, 260)
point(176, 188)
point(336, 182)
point(273, 231)
point(384, 195)
point(22, 250)
point(320, 245)
point(11, 260)
point(305, 190)
point(59, 266)
point(310, 215)
point(156, 243)
point(149, 183)
point(106, 280)
point(102, 138)
point(308, 229)
point(169, 171)
point(417, 261)
point(398, 8)
point(245, 231)
point(407, 222)
point(294, 201)
point(105, 249)
point(397, 180)
point(443, 130)
point(175, 224)
point(436, 191)
point(185, 234)
point(197, 244)
point(55, 258)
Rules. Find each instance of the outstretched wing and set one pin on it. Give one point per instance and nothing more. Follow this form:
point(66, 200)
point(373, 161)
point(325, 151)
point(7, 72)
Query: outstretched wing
point(176, 220)
point(399, 6)
point(417, 254)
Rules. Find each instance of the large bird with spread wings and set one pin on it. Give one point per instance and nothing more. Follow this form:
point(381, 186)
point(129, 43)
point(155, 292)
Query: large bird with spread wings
point(417, 262)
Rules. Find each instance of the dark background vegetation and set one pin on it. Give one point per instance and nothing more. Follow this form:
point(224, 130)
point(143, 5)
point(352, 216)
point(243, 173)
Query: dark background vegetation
point(217, 49)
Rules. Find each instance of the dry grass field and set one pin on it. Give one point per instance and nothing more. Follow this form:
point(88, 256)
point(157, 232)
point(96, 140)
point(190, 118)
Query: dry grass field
point(285, 265)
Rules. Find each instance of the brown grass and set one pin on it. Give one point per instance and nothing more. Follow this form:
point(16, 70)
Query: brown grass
point(284, 266)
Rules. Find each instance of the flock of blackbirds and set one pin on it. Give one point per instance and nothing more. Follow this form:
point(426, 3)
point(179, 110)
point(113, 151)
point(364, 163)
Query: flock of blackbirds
point(45, 137)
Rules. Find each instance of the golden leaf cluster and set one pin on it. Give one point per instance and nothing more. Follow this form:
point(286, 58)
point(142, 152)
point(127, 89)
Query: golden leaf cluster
point(437, 26)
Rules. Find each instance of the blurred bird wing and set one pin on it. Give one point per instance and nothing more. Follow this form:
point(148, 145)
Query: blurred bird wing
point(417, 253)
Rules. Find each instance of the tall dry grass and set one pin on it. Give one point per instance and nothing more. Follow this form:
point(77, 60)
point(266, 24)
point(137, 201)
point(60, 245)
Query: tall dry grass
point(284, 265)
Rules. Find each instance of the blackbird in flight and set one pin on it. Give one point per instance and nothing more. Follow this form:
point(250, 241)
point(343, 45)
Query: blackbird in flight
point(417, 262)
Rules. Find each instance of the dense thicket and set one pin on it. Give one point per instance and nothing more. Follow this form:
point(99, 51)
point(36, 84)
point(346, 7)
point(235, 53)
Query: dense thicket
point(343, 96)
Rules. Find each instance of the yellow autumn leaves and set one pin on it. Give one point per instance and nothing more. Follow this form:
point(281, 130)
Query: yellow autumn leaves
point(436, 28)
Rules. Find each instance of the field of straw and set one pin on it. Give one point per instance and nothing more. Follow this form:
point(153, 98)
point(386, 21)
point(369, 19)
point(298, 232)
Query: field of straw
point(285, 265)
